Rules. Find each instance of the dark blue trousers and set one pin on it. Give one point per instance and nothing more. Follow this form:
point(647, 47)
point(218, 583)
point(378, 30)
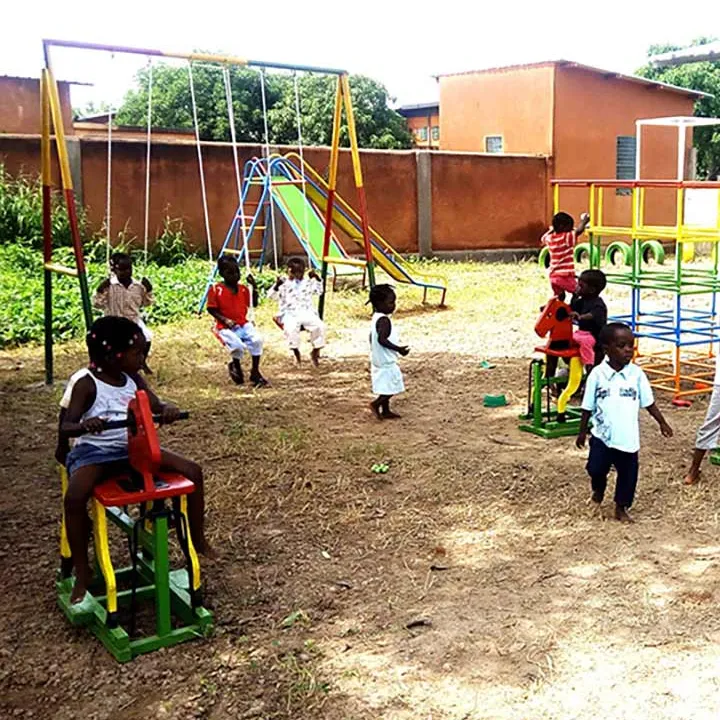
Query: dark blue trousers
point(601, 459)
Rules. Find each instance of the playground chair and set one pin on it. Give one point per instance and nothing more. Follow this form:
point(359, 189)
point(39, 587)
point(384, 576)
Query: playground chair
point(555, 322)
point(175, 592)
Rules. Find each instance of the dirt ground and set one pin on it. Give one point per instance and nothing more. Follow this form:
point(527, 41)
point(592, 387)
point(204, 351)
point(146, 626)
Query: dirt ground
point(472, 581)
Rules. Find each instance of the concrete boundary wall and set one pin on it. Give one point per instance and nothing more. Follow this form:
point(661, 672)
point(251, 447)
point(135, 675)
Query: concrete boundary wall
point(424, 202)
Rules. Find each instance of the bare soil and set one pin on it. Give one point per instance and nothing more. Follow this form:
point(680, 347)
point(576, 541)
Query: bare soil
point(472, 581)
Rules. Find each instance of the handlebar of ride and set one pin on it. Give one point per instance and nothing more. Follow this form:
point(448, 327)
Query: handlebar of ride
point(130, 421)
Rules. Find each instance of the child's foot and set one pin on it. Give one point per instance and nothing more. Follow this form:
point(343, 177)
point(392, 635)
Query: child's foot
point(390, 415)
point(597, 497)
point(296, 353)
point(315, 356)
point(691, 478)
point(258, 381)
point(79, 588)
point(621, 514)
point(376, 410)
point(236, 374)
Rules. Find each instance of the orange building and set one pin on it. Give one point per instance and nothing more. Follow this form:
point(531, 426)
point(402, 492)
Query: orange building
point(580, 117)
point(423, 121)
point(20, 105)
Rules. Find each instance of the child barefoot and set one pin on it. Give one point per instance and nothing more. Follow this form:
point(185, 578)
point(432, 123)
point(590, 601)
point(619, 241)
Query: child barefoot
point(615, 391)
point(115, 346)
point(387, 380)
point(228, 302)
point(122, 296)
point(295, 297)
point(709, 432)
point(560, 240)
point(590, 314)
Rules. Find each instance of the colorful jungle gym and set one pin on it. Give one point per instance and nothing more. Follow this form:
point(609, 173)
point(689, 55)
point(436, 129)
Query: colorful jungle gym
point(176, 594)
point(317, 216)
point(374, 248)
point(556, 323)
point(676, 331)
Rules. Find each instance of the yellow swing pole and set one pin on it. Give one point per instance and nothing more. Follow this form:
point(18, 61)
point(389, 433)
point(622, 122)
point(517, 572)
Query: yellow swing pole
point(357, 172)
point(332, 184)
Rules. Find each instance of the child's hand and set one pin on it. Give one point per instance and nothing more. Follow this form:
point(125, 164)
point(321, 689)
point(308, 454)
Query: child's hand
point(104, 285)
point(574, 316)
point(93, 425)
point(229, 324)
point(404, 350)
point(585, 217)
point(170, 413)
point(313, 275)
point(250, 280)
point(666, 430)
point(580, 440)
point(146, 284)
point(279, 282)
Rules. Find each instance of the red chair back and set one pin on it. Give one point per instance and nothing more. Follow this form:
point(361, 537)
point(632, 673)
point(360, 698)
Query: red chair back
point(143, 444)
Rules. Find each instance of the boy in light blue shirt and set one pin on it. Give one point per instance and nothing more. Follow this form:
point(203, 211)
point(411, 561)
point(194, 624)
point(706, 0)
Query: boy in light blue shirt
point(615, 391)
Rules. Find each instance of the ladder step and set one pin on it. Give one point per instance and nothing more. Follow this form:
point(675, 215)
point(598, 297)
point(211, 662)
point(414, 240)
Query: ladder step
point(231, 251)
point(61, 269)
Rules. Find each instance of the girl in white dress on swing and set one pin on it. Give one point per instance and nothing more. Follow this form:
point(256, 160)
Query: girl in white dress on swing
point(387, 379)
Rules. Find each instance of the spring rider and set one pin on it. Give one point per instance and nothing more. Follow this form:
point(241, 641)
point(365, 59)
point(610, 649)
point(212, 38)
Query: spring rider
point(556, 323)
point(179, 614)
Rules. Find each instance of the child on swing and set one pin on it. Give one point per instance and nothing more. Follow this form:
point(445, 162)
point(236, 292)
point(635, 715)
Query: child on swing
point(387, 379)
point(122, 296)
point(295, 294)
point(228, 302)
point(116, 349)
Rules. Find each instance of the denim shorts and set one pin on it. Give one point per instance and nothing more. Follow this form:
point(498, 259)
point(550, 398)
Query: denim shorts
point(86, 453)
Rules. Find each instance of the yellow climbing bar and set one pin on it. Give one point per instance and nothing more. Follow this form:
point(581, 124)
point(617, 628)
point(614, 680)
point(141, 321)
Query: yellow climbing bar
point(61, 269)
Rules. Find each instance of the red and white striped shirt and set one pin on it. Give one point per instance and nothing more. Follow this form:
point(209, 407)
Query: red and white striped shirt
point(561, 247)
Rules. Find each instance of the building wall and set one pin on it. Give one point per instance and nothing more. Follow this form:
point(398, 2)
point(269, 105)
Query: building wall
point(515, 103)
point(20, 111)
point(591, 111)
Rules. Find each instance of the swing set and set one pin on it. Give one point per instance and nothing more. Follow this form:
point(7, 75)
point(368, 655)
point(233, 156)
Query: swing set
point(52, 123)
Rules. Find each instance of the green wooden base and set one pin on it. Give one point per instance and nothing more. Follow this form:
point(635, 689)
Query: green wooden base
point(715, 457)
point(552, 428)
point(168, 590)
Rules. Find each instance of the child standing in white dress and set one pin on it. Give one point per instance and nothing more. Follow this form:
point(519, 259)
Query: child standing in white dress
point(387, 379)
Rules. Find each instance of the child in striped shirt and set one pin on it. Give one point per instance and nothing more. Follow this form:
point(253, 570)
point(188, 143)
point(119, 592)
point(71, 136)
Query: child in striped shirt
point(560, 240)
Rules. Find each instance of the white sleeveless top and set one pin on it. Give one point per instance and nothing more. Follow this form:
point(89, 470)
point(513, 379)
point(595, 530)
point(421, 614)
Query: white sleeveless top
point(111, 403)
point(381, 356)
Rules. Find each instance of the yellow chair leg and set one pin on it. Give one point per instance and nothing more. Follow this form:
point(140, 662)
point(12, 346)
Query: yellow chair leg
point(574, 379)
point(64, 546)
point(194, 562)
point(102, 552)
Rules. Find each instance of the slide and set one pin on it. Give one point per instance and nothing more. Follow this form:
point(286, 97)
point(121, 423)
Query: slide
point(297, 211)
point(344, 217)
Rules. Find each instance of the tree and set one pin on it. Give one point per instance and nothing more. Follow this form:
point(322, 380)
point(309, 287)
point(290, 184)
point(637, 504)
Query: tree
point(378, 126)
point(702, 76)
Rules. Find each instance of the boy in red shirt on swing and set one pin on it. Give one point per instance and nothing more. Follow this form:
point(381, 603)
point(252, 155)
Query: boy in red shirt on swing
point(228, 302)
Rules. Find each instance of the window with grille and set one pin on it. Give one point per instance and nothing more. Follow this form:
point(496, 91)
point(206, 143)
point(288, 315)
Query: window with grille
point(435, 133)
point(625, 154)
point(493, 143)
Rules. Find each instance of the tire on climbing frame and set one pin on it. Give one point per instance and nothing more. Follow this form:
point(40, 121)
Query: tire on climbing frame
point(584, 252)
point(618, 247)
point(652, 250)
point(544, 258)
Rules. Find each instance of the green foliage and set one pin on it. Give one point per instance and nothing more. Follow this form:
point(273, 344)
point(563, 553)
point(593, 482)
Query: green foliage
point(378, 126)
point(702, 76)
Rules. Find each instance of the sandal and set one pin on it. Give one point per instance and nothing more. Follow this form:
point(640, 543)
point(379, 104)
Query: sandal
point(259, 381)
point(235, 375)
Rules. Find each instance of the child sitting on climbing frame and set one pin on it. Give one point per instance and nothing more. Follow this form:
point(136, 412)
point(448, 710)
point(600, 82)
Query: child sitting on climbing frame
point(116, 349)
point(295, 297)
point(589, 312)
point(228, 302)
point(387, 379)
point(560, 240)
point(122, 296)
